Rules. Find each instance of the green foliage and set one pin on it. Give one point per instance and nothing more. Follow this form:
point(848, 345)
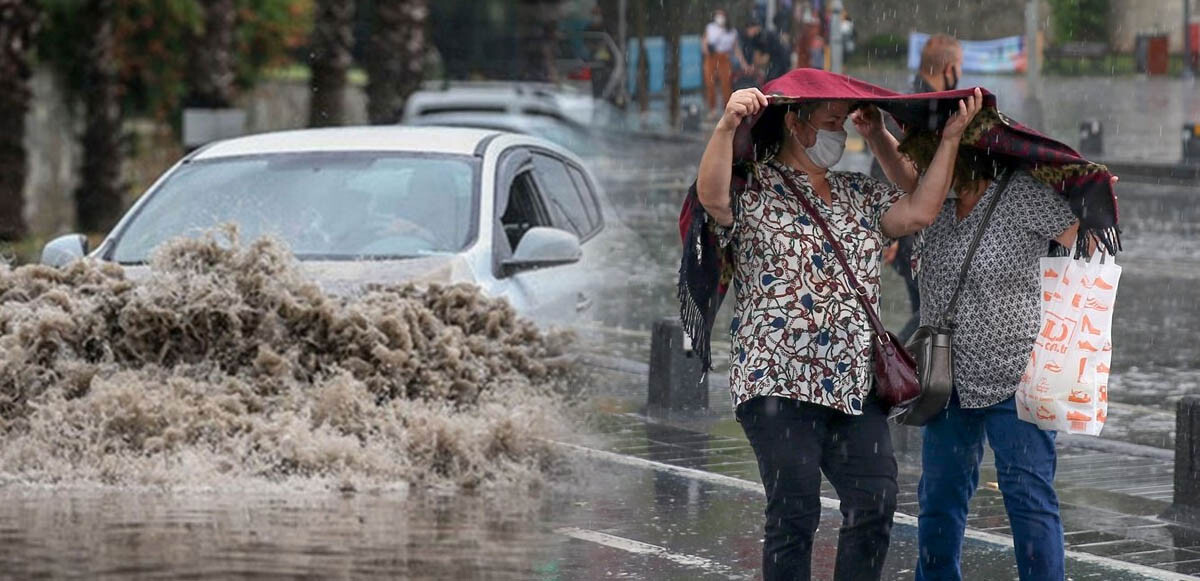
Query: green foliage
point(1079, 20)
point(153, 39)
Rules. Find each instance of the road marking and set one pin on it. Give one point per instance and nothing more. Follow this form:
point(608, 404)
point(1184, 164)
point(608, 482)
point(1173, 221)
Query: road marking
point(832, 503)
point(638, 547)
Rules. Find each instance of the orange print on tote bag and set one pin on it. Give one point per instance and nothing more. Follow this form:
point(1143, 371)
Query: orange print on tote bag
point(1065, 384)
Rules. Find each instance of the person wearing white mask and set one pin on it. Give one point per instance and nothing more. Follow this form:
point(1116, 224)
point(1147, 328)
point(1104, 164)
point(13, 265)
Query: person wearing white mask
point(800, 364)
point(720, 46)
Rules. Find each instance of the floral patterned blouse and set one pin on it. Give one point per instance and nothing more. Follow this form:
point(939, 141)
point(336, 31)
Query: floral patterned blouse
point(798, 331)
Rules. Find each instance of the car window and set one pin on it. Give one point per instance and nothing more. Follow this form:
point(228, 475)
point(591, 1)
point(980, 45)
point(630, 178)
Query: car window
point(590, 203)
point(568, 208)
point(525, 209)
point(343, 205)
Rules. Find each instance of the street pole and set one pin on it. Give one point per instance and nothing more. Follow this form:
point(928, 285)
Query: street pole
point(1188, 72)
point(623, 42)
point(772, 7)
point(835, 37)
point(1033, 66)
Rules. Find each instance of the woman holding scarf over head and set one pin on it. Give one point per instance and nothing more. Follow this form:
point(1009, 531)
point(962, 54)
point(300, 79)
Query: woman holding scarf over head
point(995, 319)
point(800, 375)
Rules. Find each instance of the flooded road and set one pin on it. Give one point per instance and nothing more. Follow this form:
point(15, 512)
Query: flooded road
point(611, 521)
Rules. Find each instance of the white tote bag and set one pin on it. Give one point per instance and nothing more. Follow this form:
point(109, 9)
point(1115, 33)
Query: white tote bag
point(1065, 384)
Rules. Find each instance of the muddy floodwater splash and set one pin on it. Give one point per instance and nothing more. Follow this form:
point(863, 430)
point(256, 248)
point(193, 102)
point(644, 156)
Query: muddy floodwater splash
point(224, 364)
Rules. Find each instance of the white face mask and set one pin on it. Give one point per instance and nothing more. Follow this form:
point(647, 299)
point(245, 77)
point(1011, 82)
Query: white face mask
point(828, 149)
point(720, 20)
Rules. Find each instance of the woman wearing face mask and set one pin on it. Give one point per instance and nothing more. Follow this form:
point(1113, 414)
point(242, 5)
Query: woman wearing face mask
point(800, 370)
point(720, 46)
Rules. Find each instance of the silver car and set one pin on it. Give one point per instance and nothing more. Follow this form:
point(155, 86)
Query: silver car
point(519, 216)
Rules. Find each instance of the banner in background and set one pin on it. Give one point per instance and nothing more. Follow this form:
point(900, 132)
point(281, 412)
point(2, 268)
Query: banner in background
point(1001, 55)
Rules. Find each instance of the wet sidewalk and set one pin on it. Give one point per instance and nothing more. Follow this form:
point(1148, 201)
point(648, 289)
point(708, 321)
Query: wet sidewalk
point(1111, 495)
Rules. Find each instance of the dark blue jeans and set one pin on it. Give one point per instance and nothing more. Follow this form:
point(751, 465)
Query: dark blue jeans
point(794, 443)
point(1025, 463)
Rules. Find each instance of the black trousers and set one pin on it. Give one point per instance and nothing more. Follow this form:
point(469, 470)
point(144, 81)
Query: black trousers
point(794, 443)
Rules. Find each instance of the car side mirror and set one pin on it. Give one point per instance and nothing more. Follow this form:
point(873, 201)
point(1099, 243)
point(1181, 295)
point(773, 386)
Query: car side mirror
point(64, 250)
point(541, 247)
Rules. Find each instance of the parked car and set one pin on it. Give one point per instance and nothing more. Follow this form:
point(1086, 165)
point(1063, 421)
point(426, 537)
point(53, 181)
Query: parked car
point(517, 215)
point(568, 117)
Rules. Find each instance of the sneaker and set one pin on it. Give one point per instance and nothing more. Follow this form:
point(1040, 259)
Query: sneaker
point(1101, 284)
point(1079, 396)
point(1095, 305)
point(1043, 386)
point(1075, 416)
point(1053, 367)
point(1044, 414)
point(1050, 273)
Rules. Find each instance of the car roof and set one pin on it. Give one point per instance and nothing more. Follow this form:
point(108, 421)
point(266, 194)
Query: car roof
point(448, 140)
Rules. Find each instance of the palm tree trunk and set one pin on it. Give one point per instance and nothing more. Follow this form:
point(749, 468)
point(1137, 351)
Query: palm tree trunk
point(98, 200)
point(395, 57)
point(18, 25)
point(537, 39)
point(332, 38)
point(643, 67)
point(211, 64)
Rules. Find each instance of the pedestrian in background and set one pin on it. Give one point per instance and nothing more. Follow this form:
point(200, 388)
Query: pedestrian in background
point(720, 46)
point(940, 70)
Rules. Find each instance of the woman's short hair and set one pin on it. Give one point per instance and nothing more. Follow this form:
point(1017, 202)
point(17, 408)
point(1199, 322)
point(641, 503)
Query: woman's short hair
point(770, 132)
point(970, 165)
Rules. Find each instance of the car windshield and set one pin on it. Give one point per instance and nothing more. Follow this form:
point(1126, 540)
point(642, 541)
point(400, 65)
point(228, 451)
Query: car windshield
point(329, 206)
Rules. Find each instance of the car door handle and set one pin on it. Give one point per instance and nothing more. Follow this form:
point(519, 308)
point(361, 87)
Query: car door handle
point(583, 303)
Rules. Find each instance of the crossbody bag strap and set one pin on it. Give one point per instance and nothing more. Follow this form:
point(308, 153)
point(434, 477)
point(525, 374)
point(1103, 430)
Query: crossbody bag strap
point(858, 289)
point(948, 315)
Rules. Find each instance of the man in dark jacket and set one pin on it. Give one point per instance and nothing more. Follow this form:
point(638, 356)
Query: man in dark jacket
point(940, 70)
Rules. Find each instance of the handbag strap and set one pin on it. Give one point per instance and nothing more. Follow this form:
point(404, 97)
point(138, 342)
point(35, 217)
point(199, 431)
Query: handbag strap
point(859, 290)
point(948, 315)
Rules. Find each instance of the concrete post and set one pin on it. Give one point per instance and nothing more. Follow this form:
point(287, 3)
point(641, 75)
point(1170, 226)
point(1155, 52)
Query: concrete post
point(675, 371)
point(1187, 460)
point(1091, 137)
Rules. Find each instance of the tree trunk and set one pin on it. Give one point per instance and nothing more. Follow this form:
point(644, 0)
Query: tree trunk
point(537, 39)
point(332, 38)
point(18, 25)
point(98, 201)
point(211, 72)
point(674, 18)
point(643, 67)
point(395, 57)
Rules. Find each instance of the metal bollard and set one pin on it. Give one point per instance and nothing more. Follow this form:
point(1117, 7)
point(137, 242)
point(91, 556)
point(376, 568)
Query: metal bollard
point(1187, 461)
point(1091, 137)
point(1191, 142)
point(675, 371)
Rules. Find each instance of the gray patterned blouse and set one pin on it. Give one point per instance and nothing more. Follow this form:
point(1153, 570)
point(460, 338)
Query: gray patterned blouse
point(997, 315)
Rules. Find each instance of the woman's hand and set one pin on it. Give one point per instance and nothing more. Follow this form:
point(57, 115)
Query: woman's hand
point(742, 104)
point(958, 122)
point(868, 121)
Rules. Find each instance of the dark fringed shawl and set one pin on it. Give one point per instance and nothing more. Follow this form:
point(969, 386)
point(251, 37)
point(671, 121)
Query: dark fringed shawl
point(706, 270)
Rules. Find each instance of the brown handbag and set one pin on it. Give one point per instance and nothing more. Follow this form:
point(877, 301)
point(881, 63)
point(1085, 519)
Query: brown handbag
point(895, 370)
